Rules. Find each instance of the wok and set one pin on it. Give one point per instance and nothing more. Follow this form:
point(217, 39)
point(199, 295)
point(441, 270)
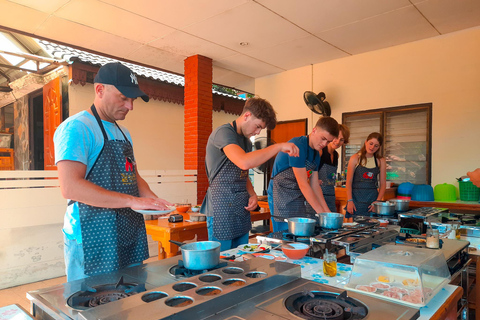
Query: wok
point(330, 220)
point(300, 227)
point(200, 255)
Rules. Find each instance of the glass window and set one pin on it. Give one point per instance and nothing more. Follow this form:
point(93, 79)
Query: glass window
point(407, 140)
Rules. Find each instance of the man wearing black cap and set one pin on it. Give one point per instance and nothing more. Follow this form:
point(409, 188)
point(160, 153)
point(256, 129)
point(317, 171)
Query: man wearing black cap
point(99, 176)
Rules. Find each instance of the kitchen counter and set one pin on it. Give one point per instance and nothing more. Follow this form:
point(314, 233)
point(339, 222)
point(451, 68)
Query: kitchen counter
point(442, 306)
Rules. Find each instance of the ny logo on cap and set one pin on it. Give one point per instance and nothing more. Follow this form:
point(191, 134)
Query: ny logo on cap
point(134, 78)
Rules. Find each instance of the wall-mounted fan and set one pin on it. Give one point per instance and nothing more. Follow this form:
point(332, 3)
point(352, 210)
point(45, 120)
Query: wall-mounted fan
point(317, 103)
point(265, 168)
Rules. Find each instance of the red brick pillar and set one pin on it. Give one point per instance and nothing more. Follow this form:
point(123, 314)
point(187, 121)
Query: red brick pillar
point(198, 117)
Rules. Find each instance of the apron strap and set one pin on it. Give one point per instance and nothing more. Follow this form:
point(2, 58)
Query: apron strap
point(100, 124)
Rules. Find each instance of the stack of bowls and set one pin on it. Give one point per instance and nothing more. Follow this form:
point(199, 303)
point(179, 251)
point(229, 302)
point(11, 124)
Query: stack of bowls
point(422, 192)
point(404, 190)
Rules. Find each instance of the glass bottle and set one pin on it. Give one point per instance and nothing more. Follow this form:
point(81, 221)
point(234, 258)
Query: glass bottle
point(432, 239)
point(330, 264)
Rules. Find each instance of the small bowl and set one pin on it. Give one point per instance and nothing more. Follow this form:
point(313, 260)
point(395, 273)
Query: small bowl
point(383, 222)
point(299, 251)
point(195, 209)
point(182, 207)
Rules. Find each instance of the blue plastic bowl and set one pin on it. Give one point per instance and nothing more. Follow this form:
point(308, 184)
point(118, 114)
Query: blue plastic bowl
point(422, 192)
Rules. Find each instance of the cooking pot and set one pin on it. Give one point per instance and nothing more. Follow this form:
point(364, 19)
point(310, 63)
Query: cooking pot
point(200, 255)
point(401, 205)
point(330, 220)
point(300, 227)
point(384, 208)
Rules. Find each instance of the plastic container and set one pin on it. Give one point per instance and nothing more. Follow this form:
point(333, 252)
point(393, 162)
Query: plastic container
point(414, 275)
point(404, 190)
point(468, 191)
point(445, 192)
point(422, 192)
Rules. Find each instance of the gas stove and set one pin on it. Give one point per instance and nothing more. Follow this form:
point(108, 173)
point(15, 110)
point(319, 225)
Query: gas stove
point(253, 289)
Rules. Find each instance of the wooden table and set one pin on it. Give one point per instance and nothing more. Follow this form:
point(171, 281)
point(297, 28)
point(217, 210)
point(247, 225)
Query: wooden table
point(341, 197)
point(475, 256)
point(162, 231)
point(448, 310)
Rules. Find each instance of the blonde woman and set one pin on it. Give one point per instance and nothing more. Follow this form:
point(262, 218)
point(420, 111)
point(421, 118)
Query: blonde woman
point(366, 177)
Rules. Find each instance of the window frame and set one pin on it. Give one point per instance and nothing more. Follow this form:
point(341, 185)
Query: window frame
point(383, 128)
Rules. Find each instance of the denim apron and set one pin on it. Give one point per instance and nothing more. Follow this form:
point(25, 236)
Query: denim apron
point(327, 175)
point(230, 197)
point(364, 189)
point(288, 200)
point(112, 238)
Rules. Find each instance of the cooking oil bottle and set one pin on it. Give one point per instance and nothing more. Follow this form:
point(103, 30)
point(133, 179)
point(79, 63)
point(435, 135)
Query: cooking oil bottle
point(330, 264)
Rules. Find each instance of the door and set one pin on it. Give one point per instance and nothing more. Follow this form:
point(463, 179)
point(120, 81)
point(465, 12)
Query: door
point(284, 131)
point(52, 117)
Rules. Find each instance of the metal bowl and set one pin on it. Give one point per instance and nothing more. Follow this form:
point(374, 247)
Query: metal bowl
point(400, 204)
point(384, 208)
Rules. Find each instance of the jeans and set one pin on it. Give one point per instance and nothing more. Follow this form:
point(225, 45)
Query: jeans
point(276, 226)
point(74, 263)
point(225, 244)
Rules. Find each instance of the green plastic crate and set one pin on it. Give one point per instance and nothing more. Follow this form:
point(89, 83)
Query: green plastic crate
point(468, 192)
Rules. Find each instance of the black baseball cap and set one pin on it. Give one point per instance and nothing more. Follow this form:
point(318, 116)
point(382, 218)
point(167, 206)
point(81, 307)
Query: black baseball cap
point(122, 78)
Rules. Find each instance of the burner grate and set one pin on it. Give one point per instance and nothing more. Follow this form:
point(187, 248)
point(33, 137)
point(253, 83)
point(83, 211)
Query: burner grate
point(325, 305)
point(90, 297)
point(180, 270)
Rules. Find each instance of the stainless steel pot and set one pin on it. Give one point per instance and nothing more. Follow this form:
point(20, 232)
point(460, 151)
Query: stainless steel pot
point(200, 255)
point(300, 227)
point(400, 204)
point(384, 208)
point(330, 220)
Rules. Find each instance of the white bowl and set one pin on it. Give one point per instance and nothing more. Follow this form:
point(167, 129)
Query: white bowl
point(195, 209)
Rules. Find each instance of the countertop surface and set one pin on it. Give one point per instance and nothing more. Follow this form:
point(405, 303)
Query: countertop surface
point(312, 269)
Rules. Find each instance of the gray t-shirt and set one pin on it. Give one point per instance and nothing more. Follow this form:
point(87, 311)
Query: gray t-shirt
point(216, 158)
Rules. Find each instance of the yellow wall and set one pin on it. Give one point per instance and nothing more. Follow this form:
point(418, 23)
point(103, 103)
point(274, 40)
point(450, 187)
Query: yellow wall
point(156, 128)
point(444, 71)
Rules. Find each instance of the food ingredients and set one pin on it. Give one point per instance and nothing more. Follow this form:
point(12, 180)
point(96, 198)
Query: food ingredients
point(330, 268)
point(381, 286)
point(412, 299)
point(392, 294)
point(416, 240)
point(384, 279)
point(254, 247)
point(399, 290)
point(367, 288)
point(410, 282)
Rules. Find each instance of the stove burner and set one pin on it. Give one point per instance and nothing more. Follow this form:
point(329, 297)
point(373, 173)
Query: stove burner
point(325, 305)
point(322, 310)
point(90, 297)
point(180, 270)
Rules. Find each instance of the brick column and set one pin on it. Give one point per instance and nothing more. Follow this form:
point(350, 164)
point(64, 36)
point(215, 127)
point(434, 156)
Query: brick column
point(198, 117)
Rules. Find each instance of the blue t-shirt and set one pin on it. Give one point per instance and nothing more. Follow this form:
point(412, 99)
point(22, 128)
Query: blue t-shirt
point(283, 161)
point(79, 138)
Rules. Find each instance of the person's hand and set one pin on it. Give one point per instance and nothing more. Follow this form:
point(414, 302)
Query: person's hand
point(320, 182)
point(252, 203)
point(475, 177)
point(371, 207)
point(290, 148)
point(351, 207)
point(150, 204)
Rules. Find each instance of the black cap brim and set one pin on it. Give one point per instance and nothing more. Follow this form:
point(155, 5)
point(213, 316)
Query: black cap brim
point(132, 92)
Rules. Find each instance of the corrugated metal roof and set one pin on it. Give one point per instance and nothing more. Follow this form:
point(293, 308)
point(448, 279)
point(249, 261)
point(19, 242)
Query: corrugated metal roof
point(71, 55)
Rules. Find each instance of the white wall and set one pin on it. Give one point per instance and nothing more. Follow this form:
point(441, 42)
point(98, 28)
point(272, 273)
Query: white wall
point(444, 71)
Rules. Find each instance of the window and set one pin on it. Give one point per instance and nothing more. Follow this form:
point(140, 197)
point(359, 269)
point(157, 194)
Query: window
point(407, 133)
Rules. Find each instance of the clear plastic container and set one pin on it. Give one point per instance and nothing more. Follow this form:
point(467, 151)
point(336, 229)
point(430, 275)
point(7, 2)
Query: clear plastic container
point(401, 274)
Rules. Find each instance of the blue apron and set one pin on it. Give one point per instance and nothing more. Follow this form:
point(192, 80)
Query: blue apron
point(228, 190)
point(288, 200)
point(327, 175)
point(364, 189)
point(112, 238)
